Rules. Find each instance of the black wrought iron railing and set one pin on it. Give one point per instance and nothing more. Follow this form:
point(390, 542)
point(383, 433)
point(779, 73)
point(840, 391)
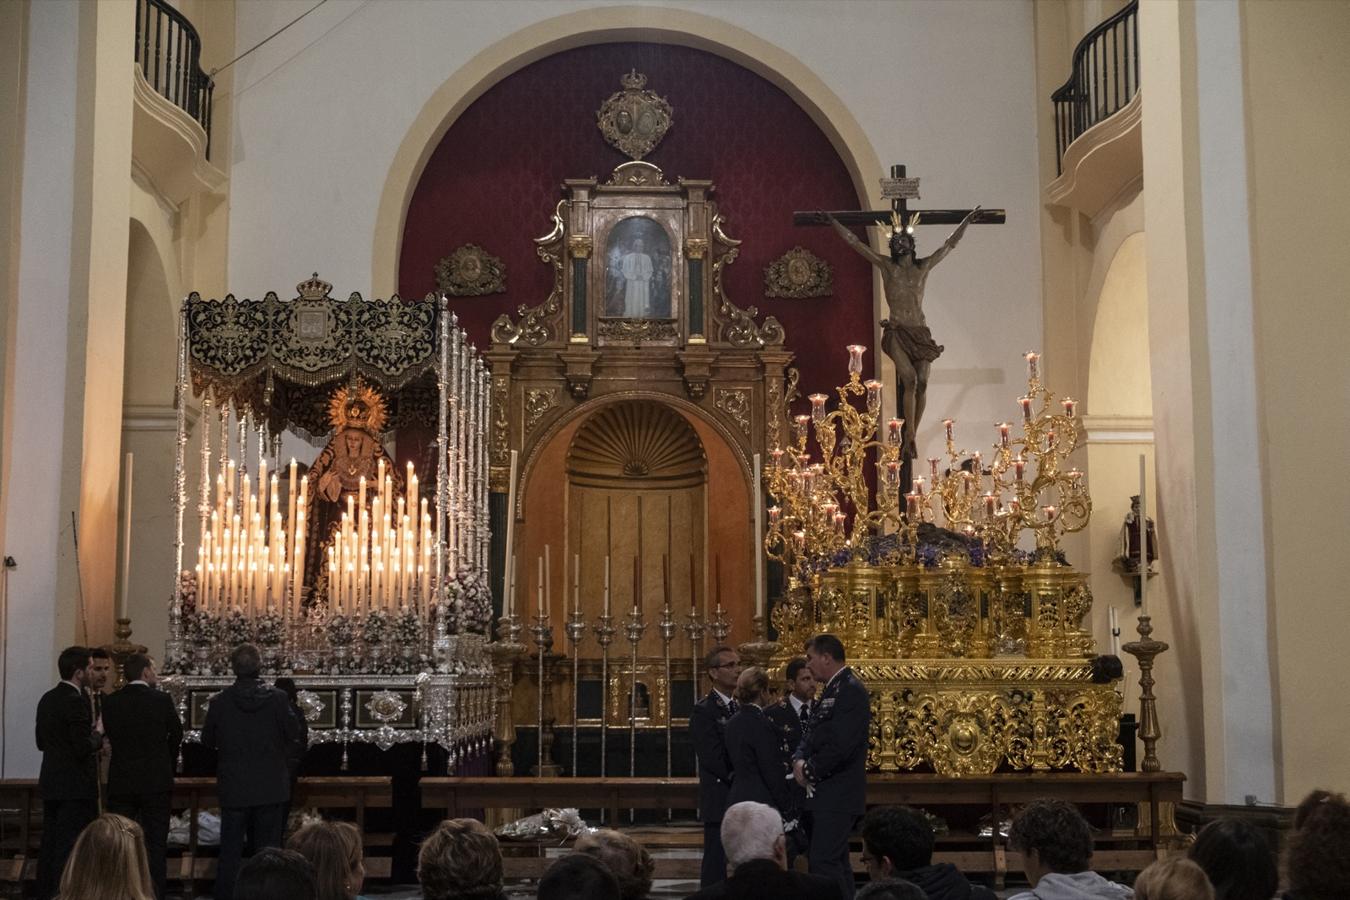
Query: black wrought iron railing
point(169, 52)
point(1105, 78)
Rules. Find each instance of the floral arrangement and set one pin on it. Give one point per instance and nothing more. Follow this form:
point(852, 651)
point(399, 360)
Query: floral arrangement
point(202, 627)
point(406, 629)
point(470, 603)
point(341, 630)
point(375, 628)
point(270, 630)
point(187, 592)
point(236, 629)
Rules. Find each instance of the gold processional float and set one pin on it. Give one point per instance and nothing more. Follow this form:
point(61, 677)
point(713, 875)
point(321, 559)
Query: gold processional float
point(363, 582)
point(972, 648)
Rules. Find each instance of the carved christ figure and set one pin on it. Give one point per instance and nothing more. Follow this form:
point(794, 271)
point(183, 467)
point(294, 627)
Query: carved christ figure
point(905, 336)
point(637, 277)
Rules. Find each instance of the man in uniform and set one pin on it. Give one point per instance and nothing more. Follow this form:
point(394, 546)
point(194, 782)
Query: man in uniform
point(708, 725)
point(789, 717)
point(831, 761)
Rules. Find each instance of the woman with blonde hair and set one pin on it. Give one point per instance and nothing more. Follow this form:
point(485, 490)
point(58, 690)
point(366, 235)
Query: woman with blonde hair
point(755, 750)
point(460, 860)
point(1174, 878)
point(334, 849)
point(630, 862)
point(108, 863)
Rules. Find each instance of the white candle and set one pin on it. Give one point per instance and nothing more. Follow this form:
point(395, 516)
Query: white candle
point(1143, 536)
point(509, 576)
point(759, 539)
point(539, 584)
point(124, 594)
point(1114, 626)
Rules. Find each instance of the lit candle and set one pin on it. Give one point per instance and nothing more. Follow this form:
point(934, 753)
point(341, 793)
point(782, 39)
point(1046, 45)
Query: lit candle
point(912, 504)
point(1032, 357)
point(892, 473)
point(918, 486)
point(774, 513)
point(1068, 403)
point(933, 467)
point(947, 424)
point(1003, 433)
point(817, 408)
point(799, 424)
point(873, 396)
point(893, 430)
point(855, 357)
point(989, 505)
point(1026, 407)
point(839, 519)
point(1019, 466)
point(1050, 512)
point(776, 455)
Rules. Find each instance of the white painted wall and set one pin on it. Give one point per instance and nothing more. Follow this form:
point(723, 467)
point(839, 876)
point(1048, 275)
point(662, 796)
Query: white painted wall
point(947, 88)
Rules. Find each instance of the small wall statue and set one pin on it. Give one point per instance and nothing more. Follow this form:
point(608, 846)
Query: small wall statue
point(1127, 562)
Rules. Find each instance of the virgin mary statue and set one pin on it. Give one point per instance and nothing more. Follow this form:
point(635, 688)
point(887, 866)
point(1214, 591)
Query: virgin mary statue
point(357, 413)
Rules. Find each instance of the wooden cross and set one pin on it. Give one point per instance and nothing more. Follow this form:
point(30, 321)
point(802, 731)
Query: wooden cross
point(900, 190)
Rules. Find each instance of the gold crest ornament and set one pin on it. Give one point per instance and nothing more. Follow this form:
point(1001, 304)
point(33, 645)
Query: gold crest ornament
point(634, 120)
point(470, 271)
point(798, 274)
point(357, 406)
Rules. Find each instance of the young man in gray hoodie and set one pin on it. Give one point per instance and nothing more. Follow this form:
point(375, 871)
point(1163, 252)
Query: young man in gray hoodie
point(1056, 844)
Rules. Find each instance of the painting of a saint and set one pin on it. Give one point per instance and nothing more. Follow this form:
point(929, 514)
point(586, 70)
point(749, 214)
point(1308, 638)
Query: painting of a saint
point(638, 270)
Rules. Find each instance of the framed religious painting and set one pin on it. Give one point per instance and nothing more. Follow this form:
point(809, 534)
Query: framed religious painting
point(638, 284)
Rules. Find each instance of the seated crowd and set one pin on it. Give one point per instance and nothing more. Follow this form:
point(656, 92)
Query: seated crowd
point(461, 860)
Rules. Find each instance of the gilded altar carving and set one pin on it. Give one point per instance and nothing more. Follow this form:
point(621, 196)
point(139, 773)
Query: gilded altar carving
point(538, 401)
point(735, 402)
point(501, 422)
point(738, 326)
point(579, 246)
point(798, 275)
point(538, 324)
point(639, 330)
point(634, 120)
point(637, 174)
point(470, 271)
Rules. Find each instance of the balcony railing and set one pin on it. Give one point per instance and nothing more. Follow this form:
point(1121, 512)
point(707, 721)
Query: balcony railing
point(1105, 78)
point(169, 52)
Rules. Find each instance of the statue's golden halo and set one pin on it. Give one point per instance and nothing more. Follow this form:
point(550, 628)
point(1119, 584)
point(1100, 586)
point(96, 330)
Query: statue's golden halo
point(357, 406)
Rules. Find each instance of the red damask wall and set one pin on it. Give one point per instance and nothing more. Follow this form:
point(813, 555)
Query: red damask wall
point(495, 180)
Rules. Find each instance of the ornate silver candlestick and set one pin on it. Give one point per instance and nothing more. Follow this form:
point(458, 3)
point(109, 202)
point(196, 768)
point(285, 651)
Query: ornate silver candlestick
point(576, 633)
point(667, 628)
point(694, 628)
point(543, 639)
point(604, 634)
point(719, 625)
point(634, 626)
point(505, 651)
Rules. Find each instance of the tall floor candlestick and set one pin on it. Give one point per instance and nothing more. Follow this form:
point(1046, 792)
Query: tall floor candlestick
point(576, 632)
point(635, 626)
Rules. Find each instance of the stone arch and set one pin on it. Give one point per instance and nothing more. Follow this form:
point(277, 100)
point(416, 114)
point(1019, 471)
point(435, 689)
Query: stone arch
point(592, 26)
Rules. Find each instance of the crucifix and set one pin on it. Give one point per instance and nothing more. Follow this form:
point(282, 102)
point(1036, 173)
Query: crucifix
point(905, 335)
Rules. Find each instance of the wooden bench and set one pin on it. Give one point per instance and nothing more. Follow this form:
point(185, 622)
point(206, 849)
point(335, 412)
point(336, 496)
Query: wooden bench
point(994, 795)
point(194, 862)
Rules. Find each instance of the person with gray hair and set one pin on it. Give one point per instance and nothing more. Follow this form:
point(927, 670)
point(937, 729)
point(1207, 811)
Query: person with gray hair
point(752, 834)
point(255, 735)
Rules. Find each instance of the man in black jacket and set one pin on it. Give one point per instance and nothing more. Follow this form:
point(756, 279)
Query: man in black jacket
point(256, 735)
point(708, 724)
point(753, 835)
point(831, 763)
point(143, 727)
point(69, 741)
point(898, 843)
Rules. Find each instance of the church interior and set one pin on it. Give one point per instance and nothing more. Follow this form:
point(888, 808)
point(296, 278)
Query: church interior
point(489, 364)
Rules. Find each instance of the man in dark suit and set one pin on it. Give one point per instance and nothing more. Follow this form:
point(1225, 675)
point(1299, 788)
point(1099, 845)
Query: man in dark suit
point(753, 835)
point(69, 741)
point(143, 727)
point(831, 761)
point(789, 717)
point(707, 724)
point(256, 735)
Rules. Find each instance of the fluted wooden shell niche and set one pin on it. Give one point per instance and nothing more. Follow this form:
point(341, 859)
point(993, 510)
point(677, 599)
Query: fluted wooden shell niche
point(638, 444)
